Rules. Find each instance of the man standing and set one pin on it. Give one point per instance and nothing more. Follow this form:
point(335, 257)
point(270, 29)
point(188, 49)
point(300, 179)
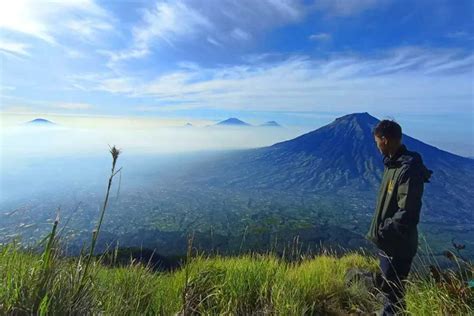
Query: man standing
point(393, 228)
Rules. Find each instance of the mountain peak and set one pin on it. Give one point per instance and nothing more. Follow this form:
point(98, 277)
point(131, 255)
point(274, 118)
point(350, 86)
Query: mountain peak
point(362, 118)
point(343, 137)
point(271, 124)
point(233, 122)
point(40, 121)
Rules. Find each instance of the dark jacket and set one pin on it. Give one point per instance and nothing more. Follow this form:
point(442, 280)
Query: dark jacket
point(393, 227)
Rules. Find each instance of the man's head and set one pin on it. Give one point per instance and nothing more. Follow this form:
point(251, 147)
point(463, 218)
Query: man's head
point(387, 136)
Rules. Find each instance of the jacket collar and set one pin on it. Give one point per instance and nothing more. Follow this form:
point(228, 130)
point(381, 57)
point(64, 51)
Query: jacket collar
point(393, 161)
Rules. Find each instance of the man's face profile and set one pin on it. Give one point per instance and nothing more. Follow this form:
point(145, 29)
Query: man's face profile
point(382, 144)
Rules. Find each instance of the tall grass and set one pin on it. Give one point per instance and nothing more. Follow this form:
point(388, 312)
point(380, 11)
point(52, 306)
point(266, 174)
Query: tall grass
point(51, 285)
point(317, 285)
point(233, 285)
point(243, 285)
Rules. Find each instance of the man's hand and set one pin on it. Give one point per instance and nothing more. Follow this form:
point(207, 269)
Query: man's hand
point(384, 228)
point(380, 231)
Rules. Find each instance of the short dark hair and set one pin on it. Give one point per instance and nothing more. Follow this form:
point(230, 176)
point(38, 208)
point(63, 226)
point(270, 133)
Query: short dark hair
point(388, 129)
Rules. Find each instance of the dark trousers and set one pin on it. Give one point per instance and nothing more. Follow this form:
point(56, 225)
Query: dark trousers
point(394, 272)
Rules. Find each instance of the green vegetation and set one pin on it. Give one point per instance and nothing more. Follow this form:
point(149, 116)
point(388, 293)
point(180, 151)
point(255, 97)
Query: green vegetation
point(257, 284)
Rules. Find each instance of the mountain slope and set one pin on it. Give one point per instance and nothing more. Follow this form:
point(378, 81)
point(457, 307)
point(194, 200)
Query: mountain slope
point(341, 158)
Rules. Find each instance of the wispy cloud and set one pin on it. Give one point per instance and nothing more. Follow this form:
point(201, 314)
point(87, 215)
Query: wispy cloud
point(6, 88)
point(168, 22)
point(213, 41)
point(103, 82)
point(320, 37)
point(18, 109)
point(73, 53)
point(401, 78)
point(238, 34)
point(461, 35)
point(15, 48)
point(216, 22)
point(46, 20)
point(88, 28)
point(165, 22)
point(74, 106)
point(24, 105)
point(348, 7)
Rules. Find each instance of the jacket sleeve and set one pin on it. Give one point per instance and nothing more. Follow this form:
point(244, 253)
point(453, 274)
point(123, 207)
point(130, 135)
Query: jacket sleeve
point(409, 195)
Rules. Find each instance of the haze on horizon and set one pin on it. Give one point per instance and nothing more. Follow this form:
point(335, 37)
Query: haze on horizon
point(72, 151)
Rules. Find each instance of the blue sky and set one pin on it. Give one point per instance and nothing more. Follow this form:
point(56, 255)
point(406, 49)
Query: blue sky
point(298, 62)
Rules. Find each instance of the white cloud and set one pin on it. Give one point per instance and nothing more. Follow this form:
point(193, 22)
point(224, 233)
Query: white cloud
point(22, 105)
point(14, 48)
point(400, 78)
point(166, 22)
point(19, 16)
point(262, 14)
point(18, 109)
point(118, 56)
point(88, 28)
point(73, 53)
point(320, 37)
point(74, 106)
point(292, 10)
point(461, 35)
point(213, 41)
point(347, 7)
point(45, 20)
point(169, 21)
point(238, 34)
point(188, 65)
point(6, 88)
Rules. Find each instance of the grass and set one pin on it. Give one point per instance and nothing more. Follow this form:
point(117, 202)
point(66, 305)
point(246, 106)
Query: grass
point(252, 284)
point(243, 285)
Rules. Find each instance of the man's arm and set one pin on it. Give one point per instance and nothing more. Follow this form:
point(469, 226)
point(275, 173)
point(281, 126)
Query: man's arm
point(409, 194)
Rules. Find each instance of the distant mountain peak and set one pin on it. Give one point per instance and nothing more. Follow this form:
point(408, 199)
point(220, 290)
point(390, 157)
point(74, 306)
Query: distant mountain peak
point(233, 122)
point(40, 121)
point(357, 114)
point(271, 124)
point(362, 117)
